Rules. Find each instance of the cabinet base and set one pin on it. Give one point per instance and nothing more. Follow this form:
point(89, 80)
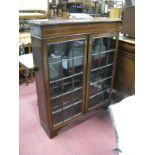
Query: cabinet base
point(53, 134)
point(50, 134)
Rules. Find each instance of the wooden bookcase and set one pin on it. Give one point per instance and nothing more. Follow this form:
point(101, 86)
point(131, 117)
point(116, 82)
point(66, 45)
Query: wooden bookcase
point(76, 61)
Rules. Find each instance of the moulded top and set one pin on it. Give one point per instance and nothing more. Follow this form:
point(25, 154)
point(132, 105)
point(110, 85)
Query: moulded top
point(63, 21)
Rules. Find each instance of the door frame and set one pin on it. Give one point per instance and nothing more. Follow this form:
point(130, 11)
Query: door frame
point(90, 40)
point(46, 42)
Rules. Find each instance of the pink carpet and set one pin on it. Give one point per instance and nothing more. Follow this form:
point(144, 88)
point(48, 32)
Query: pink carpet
point(92, 135)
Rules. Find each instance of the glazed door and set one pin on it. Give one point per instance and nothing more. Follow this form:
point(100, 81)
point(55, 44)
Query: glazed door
point(100, 70)
point(66, 63)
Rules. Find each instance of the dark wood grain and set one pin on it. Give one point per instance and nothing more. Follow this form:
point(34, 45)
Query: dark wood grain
point(57, 31)
point(125, 70)
point(39, 78)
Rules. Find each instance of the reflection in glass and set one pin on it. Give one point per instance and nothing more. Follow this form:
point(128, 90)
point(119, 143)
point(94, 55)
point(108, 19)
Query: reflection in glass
point(111, 57)
point(100, 98)
point(67, 98)
point(103, 51)
point(57, 116)
point(54, 68)
point(100, 87)
point(67, 85)
point(98, 46)
point(78, 48)
point(77, 95)
point(107, 83)
point(65, 67)
point(103, 59)
point(57, 103)
point(78, 65)
point(94, 76)
point(78, 81)
point(95, 61)
point(68, 111)
point(93, 90)
point(107, 94)
point(92, 101)
point(56, 88)
point(101, 73)
point(108, 71)
point(77, 108)
point(64, 58)
point(109, 43)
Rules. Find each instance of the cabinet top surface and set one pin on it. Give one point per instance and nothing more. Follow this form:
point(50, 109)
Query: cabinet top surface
point(62, 21)
point(125, 39)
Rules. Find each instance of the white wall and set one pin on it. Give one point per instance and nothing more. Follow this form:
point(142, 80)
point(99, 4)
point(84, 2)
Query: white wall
point(33, 4)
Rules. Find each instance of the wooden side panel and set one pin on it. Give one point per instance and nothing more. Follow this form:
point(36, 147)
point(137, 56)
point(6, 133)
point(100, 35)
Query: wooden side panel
point(42, 100)
point(36, 31)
